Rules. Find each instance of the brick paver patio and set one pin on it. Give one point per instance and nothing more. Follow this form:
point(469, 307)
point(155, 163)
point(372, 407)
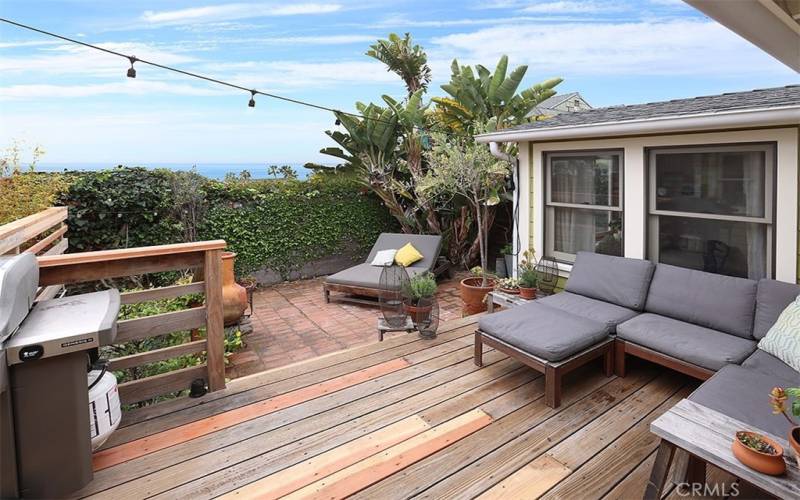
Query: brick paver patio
point(292, 322)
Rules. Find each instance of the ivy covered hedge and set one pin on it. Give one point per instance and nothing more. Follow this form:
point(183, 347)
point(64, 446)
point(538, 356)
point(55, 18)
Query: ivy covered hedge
point(283, 225)
point(275, 224)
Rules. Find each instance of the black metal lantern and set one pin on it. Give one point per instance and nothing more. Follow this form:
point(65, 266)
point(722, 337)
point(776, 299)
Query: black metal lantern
point(393, 283)
point(547, 275)
point(425, 316)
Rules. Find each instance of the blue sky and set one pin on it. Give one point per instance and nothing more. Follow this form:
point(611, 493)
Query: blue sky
point(79, 106)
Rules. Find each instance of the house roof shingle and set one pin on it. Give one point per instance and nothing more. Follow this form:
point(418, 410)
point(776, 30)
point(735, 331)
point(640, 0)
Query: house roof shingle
point(753, 99)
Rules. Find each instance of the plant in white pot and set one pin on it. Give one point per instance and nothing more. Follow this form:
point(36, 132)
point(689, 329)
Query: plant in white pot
point(460, 167)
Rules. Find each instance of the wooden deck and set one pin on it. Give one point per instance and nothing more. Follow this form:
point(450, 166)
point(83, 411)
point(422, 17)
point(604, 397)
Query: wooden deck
point(402, 418)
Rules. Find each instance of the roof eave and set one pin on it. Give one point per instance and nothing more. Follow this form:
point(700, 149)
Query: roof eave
point(784, 115)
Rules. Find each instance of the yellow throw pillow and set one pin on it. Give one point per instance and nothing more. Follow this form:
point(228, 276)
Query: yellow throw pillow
point(407, 255)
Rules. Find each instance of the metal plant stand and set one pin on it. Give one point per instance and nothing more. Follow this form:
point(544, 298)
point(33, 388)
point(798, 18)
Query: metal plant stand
point(393, 281)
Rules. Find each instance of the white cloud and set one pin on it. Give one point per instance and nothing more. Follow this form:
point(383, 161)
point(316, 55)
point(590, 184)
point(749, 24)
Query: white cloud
point(29, 43)
point(640, 48)
point(302, 75)
point(404, 21)
point(124, 86)
point(571, 7)
point(232, 11)
point(66, 60)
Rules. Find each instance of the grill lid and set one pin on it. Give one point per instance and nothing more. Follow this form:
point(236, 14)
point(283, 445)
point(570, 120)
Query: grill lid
point(19, 280)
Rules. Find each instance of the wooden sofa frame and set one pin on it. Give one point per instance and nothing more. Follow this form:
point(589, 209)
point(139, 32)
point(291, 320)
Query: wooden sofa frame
point(553, 372)
point(622, 347)
point(368, 295)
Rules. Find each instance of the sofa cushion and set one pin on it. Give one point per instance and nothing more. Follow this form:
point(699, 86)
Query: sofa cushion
point(597, 310)
point(694, 344)
point(743, 394)
point(766, 363)
point(427, 244)
point(545, 332)
point(618, 280)
point(772, 298)
point(365, 275)
point(719, 302)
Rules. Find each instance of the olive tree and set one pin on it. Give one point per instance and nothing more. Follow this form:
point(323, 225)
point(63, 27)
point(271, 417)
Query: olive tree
point(458, 166)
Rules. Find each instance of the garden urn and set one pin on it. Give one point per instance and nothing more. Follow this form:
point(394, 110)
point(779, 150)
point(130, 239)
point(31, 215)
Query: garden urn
point(473, 294)
point(234, 295)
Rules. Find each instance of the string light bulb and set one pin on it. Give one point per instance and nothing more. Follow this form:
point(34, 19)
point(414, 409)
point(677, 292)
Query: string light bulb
point(132, 70)
point(252, 102)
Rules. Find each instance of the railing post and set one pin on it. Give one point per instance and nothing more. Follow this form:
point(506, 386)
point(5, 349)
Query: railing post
point(215, 348)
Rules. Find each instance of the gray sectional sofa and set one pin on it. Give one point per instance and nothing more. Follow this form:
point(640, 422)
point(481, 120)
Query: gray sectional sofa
point(702, 324)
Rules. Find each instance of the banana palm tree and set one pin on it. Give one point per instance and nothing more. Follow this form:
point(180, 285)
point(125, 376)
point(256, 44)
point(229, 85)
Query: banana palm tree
point(489, 99)
point(405, 59)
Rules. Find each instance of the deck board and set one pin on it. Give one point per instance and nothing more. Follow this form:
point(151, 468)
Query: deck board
point(403, 418)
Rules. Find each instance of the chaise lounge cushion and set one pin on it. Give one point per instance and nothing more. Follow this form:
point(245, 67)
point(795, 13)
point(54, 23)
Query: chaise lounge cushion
point(773, 297)
point(743, 394)
point(765, 362)
point(719, 302)
point(545, 332)
point(609, 314)
point(365, 275)
point(617, 280)
point(428, 245)
point(694, 344)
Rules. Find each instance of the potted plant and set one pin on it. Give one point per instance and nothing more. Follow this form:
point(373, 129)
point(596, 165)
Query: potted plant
point(759, 452)
point(526, 274)
point(460, 167)
point(508, 285)
point(778, 399)
point(419, 293)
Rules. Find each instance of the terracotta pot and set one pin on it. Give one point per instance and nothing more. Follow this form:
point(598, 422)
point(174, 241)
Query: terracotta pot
point(527, 293)
point(418, 314)
point(234, 295)
point(473, 294)
point(794, 442)
point(510, 291)
point(765, 463)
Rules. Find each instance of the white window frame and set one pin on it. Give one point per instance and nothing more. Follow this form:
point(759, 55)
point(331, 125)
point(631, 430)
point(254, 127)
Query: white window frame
point(653, 213)
point(550, 205)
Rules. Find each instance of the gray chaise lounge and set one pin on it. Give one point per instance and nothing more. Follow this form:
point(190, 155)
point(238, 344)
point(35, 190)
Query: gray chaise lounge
point(363, 280)
point(702, 324)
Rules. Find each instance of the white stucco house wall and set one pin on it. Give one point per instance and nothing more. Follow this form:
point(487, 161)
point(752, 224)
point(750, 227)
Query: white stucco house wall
point(709, 183)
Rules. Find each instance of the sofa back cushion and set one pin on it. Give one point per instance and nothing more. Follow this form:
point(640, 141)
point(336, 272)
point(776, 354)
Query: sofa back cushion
point(711, 300)
point(428, 245)
point(617, 280)
point(773, 297)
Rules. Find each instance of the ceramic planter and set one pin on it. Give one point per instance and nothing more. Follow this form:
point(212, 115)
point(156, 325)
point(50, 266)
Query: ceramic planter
point(527, 293)
point(419, 313)
point(765, 463)
point(234, 295)
point(794, 442)
point(512, 291)
point(473, 294)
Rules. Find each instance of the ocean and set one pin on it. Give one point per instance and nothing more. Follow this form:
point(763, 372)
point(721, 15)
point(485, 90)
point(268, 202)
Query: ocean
point(210, 170)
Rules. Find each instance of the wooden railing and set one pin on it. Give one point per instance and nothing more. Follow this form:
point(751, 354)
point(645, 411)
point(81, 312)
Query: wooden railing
point(41, 234)
point(206, 256)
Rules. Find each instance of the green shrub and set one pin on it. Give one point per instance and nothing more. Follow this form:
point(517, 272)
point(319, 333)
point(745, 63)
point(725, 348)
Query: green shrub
point(24, 194)
point(285, 224)
point(121, 208)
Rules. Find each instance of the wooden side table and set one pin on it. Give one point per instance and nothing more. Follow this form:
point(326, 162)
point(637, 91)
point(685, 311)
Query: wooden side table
point(504, 299)
point(706, 435)
point(384, 328)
